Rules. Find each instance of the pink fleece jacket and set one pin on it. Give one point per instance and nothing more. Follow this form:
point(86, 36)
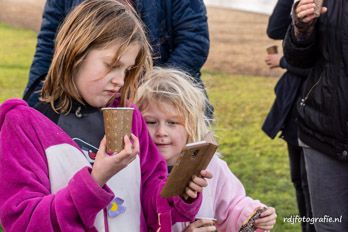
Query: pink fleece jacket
point(26, 200)
point(224, 200)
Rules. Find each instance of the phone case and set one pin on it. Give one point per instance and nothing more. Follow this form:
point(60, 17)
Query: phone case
point(194, 158)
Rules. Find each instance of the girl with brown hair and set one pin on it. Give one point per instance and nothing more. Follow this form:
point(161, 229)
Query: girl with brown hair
point(51, 179)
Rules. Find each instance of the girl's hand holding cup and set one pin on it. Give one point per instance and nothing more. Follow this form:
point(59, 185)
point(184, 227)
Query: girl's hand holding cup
point(117, 143)
point(105, 165)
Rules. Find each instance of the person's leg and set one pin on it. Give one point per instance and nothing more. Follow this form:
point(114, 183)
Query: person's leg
point(327, 181)
point(295, 153)
point(305, 190)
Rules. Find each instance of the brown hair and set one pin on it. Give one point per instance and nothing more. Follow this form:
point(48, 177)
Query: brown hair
point(94, 24)
point(171, 86)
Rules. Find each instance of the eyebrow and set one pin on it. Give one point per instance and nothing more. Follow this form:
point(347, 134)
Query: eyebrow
point(119, 62)
point(176, 117)
point(123, 64)
point(112, 58)
point(171, 116)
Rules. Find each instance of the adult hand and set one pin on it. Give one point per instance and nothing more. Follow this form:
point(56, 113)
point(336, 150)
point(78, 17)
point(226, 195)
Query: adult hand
point(197, 184)
point(201, 225)
point(273, 60)
point(305, 11)
point(105, 165)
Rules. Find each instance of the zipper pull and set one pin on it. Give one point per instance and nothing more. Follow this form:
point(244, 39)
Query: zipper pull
point(78, 113)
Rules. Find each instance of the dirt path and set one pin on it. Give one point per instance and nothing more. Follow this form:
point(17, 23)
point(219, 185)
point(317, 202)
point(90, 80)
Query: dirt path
point(22, 13)
point(238, 42)
point(238, 39)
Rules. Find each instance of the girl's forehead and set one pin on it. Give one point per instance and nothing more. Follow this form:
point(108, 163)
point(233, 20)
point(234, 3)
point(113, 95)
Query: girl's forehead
point(113, 47)
point(112, 53)
point(166, 107)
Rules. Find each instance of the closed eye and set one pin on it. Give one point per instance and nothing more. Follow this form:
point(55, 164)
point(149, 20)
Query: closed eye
point(172, 123)
point(130, 68)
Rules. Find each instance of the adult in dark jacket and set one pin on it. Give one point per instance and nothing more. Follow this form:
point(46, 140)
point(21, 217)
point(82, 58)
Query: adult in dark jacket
point(283, 114)
point(177, 31)
point(321, 43)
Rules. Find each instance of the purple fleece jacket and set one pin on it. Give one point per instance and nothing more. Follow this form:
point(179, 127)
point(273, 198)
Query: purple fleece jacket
point(26, 200)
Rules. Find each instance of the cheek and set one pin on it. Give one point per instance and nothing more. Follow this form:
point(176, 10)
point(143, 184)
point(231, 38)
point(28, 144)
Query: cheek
point(81, 89)
point(151, 132)
point(99, 85)
point(181, 137)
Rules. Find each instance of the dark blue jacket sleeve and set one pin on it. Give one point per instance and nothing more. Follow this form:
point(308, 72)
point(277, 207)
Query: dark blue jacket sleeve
point(280, 19)
point(190, 35)
point(277, 28)
point(53, 15)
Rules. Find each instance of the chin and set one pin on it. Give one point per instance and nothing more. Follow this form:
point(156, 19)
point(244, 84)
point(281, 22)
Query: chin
point(168, 157)
point(101, 104)
point(170, 161)
point(97, 105)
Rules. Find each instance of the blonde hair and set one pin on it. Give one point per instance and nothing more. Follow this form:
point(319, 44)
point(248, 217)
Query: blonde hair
point(94, 24)
point(172, 86)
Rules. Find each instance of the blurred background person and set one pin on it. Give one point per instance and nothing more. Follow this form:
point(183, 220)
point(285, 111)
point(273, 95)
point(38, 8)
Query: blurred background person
point(283, 113)
point(177, 31)
point(318, 40)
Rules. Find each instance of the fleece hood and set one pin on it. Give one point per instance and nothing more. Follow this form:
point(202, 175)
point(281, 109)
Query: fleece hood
point(9, 105)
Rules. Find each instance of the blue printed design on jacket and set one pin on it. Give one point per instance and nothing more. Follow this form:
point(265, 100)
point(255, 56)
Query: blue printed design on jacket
point(116, 207)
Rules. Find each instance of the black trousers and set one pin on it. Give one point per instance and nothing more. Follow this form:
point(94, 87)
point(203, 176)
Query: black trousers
point(299, 179)
point(327, 179)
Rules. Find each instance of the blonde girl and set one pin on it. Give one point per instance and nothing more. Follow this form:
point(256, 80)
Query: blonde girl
point(173, 109)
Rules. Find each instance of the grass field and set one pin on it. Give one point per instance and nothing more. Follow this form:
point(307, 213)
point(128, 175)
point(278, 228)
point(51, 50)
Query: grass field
point(241, 103)
point(17, 48)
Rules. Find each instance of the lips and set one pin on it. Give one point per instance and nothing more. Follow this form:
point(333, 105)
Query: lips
point(117, 94)
point(114, 93)
point(162, 144)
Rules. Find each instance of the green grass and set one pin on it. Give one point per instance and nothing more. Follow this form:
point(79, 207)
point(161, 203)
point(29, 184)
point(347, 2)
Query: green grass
point(16, 51)
point(241, 103)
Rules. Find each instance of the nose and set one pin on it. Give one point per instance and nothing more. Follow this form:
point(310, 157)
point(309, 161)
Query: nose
point(161, 130)
point(117, 78)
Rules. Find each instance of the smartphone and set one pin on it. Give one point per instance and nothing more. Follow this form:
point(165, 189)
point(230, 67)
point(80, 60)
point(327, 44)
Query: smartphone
point(194, 158)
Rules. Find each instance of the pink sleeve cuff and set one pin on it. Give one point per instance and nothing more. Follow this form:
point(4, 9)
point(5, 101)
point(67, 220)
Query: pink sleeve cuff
point(84, 190)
